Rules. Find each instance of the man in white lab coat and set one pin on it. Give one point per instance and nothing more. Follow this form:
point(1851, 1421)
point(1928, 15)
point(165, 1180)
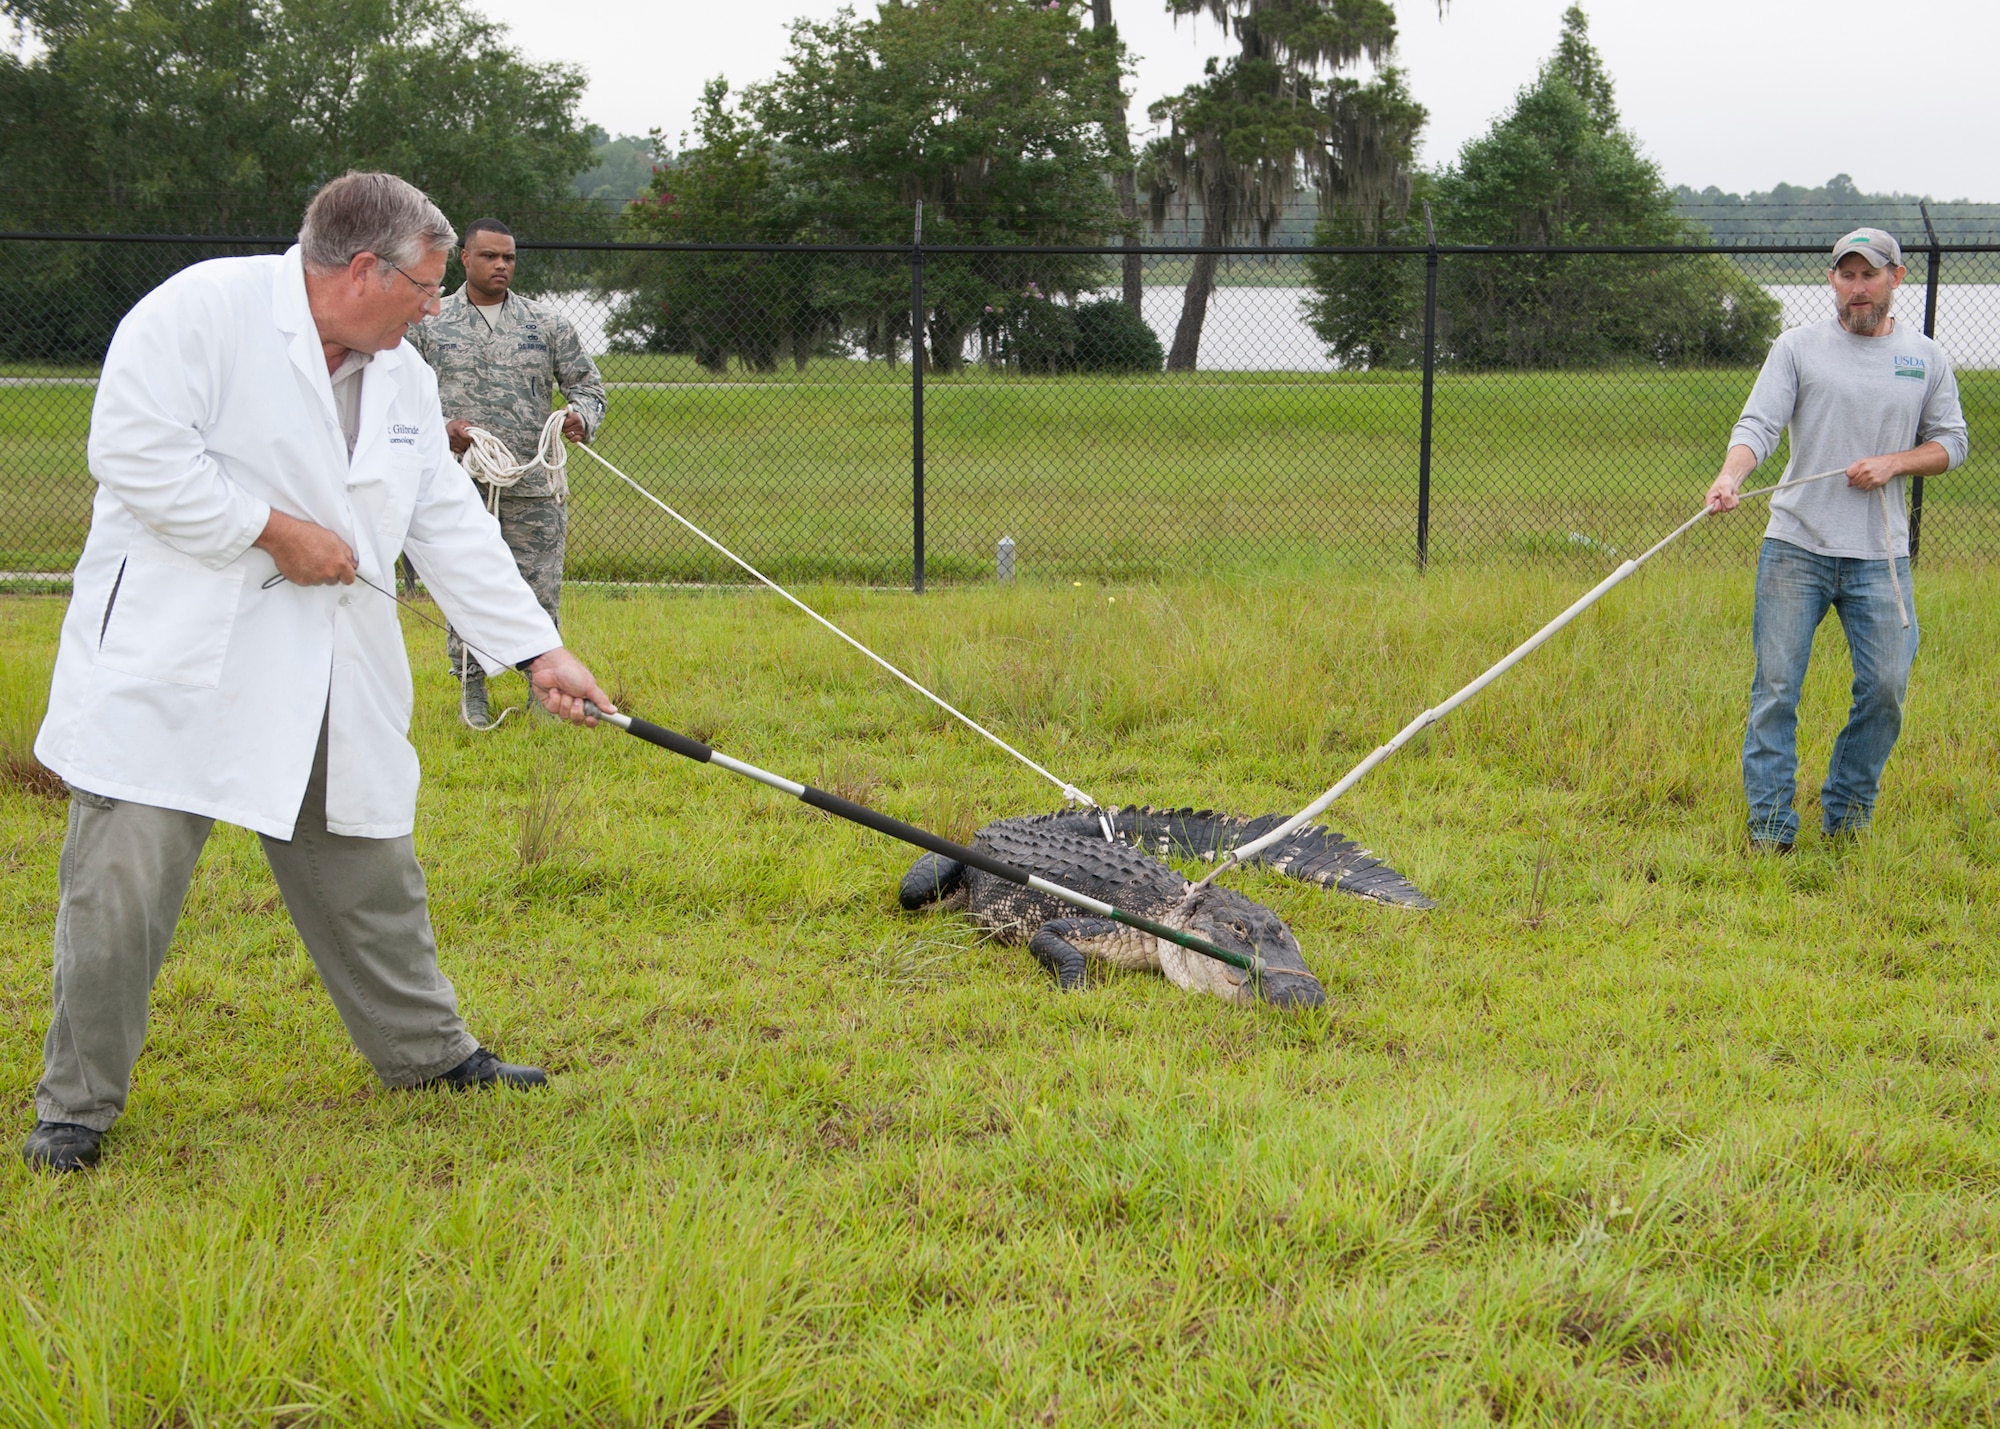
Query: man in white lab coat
point(265, 445)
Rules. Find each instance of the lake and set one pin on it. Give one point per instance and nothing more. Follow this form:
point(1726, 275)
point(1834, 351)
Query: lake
point(1264, 329)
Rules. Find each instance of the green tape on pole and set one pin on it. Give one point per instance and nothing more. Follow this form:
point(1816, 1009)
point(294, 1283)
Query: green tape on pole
point(1253, 966)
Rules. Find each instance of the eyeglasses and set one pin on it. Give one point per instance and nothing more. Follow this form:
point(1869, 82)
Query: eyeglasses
point(433, 292)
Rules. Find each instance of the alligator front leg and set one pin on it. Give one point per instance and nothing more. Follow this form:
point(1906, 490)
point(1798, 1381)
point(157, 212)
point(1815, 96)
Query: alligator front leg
point(931, 879)
point(1052, 946)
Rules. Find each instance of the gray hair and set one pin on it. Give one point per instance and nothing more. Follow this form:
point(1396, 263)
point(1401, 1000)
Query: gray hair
point(371, 213)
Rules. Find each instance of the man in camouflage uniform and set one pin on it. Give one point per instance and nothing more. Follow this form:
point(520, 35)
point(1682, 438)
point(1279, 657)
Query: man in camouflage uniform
point(497, 355)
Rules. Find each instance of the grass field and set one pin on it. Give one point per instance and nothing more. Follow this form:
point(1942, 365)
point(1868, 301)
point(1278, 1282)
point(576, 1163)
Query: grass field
point(808, 475)
point(1634, 1129)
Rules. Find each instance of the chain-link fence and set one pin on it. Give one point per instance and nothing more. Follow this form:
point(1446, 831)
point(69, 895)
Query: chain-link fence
point(1116, 417)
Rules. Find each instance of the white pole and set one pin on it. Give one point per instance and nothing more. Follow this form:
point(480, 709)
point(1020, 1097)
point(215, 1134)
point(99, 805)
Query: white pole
point(1429, 717)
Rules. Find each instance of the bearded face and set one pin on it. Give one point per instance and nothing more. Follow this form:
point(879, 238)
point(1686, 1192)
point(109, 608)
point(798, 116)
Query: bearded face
point(1863, 294)
point(1865, 319)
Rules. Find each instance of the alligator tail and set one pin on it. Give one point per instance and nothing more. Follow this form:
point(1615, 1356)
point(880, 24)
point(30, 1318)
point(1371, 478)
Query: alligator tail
point(1312, 854)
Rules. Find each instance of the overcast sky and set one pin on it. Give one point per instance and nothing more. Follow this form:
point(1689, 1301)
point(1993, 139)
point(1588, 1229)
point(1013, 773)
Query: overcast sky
point(1742, 94)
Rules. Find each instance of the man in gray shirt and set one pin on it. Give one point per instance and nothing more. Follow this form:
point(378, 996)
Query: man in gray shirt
point(1867, 395)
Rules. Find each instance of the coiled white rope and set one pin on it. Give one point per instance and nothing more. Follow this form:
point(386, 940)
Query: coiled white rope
point(488, 460)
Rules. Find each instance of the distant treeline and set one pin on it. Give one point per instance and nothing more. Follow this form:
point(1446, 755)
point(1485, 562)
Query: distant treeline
point(1790, 213)
point(1787, 213)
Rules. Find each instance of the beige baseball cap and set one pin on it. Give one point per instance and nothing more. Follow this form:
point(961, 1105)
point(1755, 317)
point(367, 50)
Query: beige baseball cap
point(1879, 248)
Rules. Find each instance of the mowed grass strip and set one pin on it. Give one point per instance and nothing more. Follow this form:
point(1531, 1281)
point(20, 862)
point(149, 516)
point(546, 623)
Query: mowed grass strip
point(807, 475)
point(1632, 1129)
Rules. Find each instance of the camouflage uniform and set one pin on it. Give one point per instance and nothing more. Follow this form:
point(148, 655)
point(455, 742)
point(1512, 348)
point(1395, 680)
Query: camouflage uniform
point(499, 377)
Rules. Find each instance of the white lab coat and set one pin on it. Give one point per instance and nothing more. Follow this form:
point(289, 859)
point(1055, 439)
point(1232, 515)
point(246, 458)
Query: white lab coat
point(181, 681)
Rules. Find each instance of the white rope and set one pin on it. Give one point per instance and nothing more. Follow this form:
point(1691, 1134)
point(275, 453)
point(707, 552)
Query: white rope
point(1069, 791)
point(1889, 546)
point(1246, 852)
point(488, 460)
point(493, 721)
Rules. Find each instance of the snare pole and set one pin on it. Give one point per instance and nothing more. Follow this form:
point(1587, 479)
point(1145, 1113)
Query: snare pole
point(910, 834)
point(882, 824)
point(1520, 652)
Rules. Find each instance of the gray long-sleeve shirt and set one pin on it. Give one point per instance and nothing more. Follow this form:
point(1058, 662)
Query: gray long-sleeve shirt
point(1845, 398)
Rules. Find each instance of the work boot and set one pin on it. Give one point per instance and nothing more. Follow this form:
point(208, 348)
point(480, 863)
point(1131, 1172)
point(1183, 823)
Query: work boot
point(483, 1069)
point(62, 1146)
point(472, 706)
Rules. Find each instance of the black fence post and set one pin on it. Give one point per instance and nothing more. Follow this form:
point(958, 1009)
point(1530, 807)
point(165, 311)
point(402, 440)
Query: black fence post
point(1930, 330)
point(917, 400)
point(1430, 383)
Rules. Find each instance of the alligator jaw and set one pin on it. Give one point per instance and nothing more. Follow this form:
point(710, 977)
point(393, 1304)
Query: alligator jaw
point(1290, 989)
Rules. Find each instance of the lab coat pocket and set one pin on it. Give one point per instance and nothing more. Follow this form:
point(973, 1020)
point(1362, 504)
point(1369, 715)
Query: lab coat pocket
point(170, 619)
point(393, 497)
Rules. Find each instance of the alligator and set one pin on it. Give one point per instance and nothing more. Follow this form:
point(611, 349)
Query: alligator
point(1069, 847)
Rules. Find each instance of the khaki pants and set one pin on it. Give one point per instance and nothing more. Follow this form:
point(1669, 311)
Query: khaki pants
point(359, 905)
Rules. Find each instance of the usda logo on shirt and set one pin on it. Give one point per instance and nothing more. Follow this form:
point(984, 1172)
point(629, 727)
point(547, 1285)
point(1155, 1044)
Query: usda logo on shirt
point(1910, 367)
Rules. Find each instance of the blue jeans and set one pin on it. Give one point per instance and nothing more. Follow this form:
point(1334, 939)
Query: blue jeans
point(1794, 589)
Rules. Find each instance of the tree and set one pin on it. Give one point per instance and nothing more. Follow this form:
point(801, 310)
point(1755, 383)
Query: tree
point(224, 116)
point(755, 307)
point(990, 112)
point(1125, 180)
point(1270, 120)
point(621, 169)
point(1556, 170)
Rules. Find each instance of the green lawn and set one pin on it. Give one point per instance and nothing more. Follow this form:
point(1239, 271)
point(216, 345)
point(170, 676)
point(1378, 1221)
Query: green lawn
point(808, 474)
point(1634, 1129)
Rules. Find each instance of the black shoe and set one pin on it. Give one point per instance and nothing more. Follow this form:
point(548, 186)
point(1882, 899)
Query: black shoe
point(483, 1069)
point(1770, 846)
point(62, 1146)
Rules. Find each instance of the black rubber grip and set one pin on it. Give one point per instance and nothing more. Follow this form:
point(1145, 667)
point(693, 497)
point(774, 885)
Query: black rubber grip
point(909, 833)
point(679, 743)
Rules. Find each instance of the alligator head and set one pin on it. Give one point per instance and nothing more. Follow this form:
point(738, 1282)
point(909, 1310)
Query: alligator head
point(1231, 921)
